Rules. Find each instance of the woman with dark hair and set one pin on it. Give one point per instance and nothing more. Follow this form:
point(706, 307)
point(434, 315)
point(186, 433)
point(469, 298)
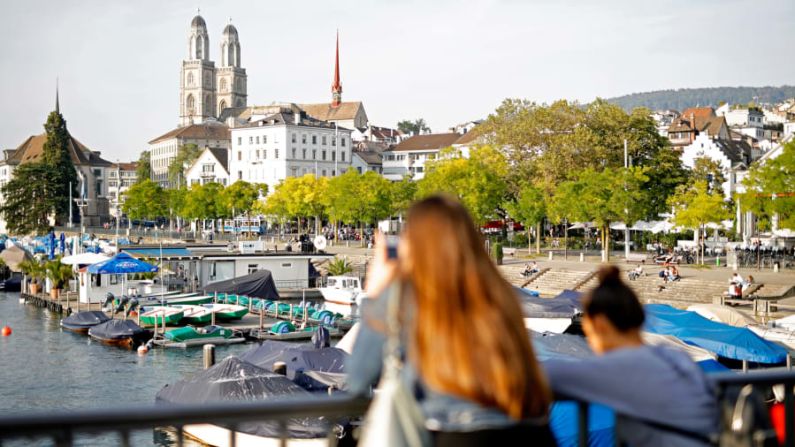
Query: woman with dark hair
point(661, 396)
point(466, 351)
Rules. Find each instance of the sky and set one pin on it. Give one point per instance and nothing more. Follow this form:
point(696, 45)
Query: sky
point(447, 61)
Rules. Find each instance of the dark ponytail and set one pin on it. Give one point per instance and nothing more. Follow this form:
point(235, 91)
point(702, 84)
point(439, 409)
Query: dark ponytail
point(615, 300)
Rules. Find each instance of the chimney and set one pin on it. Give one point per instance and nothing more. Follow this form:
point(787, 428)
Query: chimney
point(297, 118)
point(692, 126)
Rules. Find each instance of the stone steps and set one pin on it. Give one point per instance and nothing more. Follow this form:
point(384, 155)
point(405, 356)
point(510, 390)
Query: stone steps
point(555, 281)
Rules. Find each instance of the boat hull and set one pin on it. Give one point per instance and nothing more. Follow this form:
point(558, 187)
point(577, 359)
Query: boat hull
point(159, 319)
point(75, 328)
point(199, 342)
point(220, 437)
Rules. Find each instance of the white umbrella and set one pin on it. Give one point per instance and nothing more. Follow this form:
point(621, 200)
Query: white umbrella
point(84, 259)
point(619, 226)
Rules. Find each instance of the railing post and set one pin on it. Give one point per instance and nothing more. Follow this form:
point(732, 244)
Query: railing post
point(789, 416)
point(582, 424)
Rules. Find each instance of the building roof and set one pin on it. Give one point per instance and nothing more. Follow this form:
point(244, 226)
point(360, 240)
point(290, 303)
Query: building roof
point(469, 137)
point(371, 146)
point(703, 112)
point(384, 133)
point(709, 124)
point(208, 130)
point(736, 151)
point(32, 150)
point(132, 166)
point(288, 118)
point(370, 157)
point(222, 155)
point(427, 142)
point(325, 112)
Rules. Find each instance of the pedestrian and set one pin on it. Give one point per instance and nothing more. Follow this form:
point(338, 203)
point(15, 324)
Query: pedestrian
point(478, 387)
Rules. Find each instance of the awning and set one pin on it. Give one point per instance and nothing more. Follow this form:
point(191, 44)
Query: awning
point(154, 252)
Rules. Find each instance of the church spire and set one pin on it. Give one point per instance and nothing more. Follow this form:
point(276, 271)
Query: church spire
point(57, 105)
point(336, 87)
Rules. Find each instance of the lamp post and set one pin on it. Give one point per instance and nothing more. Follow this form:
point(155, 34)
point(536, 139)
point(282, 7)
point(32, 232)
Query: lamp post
point(336, 151)
point(626, 211)
point(118, 202)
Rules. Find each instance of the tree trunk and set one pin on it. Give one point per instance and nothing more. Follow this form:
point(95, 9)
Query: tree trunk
point(606, 242)
point(538, 237)
point(565, 240)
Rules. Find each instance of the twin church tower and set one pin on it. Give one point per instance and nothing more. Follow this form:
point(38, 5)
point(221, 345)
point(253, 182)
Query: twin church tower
point(206, 90)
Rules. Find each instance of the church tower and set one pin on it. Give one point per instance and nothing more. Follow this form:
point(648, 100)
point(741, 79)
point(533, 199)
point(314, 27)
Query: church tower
point(231, 79)
point(336, 87)
point(197, 81)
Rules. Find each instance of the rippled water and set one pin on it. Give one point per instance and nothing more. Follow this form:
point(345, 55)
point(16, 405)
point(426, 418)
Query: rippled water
point(44, 368)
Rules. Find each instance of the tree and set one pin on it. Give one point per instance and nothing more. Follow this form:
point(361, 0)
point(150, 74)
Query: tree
point(186, 155)
point(695, 206)
point(28, 205)
point(297, 198)
point(415, 127)
point(361, 199)
point(240, 197)
point(770, 189)
point(478, 181)
point(56, 157)
point(144, 169)
point(529, 208)
point(204, 202)
point(145, 200)
point(402, 195)
point(709, 171)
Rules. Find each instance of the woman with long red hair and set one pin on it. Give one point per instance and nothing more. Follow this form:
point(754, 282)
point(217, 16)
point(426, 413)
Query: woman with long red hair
point(467, 355)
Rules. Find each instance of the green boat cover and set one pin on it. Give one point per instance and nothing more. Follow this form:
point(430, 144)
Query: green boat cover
point(282, 327)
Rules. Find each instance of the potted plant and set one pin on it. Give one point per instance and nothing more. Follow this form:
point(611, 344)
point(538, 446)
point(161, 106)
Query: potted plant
point(59, 274)
point(339, 267)
point(35, 270)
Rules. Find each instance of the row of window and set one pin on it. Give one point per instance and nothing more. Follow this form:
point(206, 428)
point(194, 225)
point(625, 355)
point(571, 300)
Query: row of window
point(262, 154)
point(295, 172)
point(255, 139)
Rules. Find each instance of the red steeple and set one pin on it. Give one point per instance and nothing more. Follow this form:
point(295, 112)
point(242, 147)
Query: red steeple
point(336, 87)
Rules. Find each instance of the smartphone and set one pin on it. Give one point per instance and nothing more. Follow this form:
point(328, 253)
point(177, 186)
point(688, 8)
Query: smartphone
point(392, 246)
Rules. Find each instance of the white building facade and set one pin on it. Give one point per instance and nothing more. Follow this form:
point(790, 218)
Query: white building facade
point(121, 177)
point(288, 144)
point(163, 149)
point(212, 166)
point(409, 157)
point(732, 157)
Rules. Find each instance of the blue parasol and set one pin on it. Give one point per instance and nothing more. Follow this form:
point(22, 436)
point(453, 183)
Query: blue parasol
point(121, 263)
point(51, 245)
point(63, 243)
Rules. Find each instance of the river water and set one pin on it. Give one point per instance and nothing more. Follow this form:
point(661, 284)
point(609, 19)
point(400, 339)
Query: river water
point(44, 368)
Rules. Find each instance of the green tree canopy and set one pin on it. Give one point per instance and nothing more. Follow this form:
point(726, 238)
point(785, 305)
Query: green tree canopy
point(144, 169)
point(415, 127)
point(478, 181)
point(297, 198)
point(186, 155)
point(57, 158)
point(403, 193)
point(145, 200)
point(204, 202)
point(240, 197)
point(770, 189)
point(529, 207)
point(27, 205)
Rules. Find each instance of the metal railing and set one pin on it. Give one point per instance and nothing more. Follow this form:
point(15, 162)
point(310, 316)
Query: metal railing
point(63, 428)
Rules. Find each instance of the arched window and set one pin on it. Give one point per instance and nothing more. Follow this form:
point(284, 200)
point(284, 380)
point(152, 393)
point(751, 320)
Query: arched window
point(221, 105)
point(239, 102)
point(190, 79)
point(224, 55)
point(191, 105)
point(207, 105)
point(223, 85)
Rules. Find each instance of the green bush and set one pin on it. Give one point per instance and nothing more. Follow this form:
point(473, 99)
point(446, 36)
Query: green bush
point(520, 239)
point(496, 253)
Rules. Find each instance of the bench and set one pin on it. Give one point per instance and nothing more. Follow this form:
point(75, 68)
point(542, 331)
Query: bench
point(509, 251)
point(636, 257)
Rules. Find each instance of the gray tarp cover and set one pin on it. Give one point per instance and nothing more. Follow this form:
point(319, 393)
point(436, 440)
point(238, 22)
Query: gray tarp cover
point(256, 285)
point(559, 346)
point(236, 380)
point(114, 329)
point(300, 359)
point(565, 305)
point(86, 319)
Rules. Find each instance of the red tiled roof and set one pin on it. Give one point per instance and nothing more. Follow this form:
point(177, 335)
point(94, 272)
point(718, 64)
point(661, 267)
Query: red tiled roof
point(32, 149)
point(698, 112)
point(208, 130)
point(427, 142)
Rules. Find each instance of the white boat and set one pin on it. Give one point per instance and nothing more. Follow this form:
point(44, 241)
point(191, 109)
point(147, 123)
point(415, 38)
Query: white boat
point(219, 436)
point(343, 294)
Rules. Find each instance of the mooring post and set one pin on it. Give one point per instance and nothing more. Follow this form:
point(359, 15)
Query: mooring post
point(261, 319)
point(789, 361)
point(209, 356)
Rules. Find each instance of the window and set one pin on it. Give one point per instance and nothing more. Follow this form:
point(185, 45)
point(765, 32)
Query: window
point(333, 141)
point(314, 154)
point(324, 155)
point(250, 140)
point(264, 153)
point(314, 139)
point(324, 140)
point(333, 156)
point(333, 173)
point(240, 175)
point(287, 265)
point(303, 138)
point(190, 79)
point(257, 154)
point(223, 85)
point(277, 153)
point(294, 170)
point(293, 138)
point(239, 155)
point(208, 168)
point(252, 268)
point(264, 139)
point(342, 155)
point(324, 173)
point(359, 169)
point(257, 139)
point(342, 141)
point(239, 141)
point(304, 153)
point(293, 152)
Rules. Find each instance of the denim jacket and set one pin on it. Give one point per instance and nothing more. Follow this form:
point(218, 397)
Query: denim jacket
point(443, 412)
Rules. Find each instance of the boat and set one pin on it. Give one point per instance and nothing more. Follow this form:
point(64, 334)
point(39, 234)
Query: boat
point(124, 333)
point(180, 299)
point(192, 336)
point(234, 380)
point(284, 330)
point(342, 294)
point(81, 322)
point(161, 315)
point(194, 314)
point(556, 315)
point(226, 311)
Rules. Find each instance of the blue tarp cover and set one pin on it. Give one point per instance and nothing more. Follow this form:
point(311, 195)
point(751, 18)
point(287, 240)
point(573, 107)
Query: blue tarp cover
point(722, 339)
point(565, 305)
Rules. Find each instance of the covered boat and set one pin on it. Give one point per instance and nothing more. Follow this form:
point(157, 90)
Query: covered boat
point(723, 314)
point(226, 311)
point(726, 341)
point(303, 362)
point(188, 336)
point(259, 284)
point(123, 333)
point(236, 380)
point(550, 314)
point(82, 321)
